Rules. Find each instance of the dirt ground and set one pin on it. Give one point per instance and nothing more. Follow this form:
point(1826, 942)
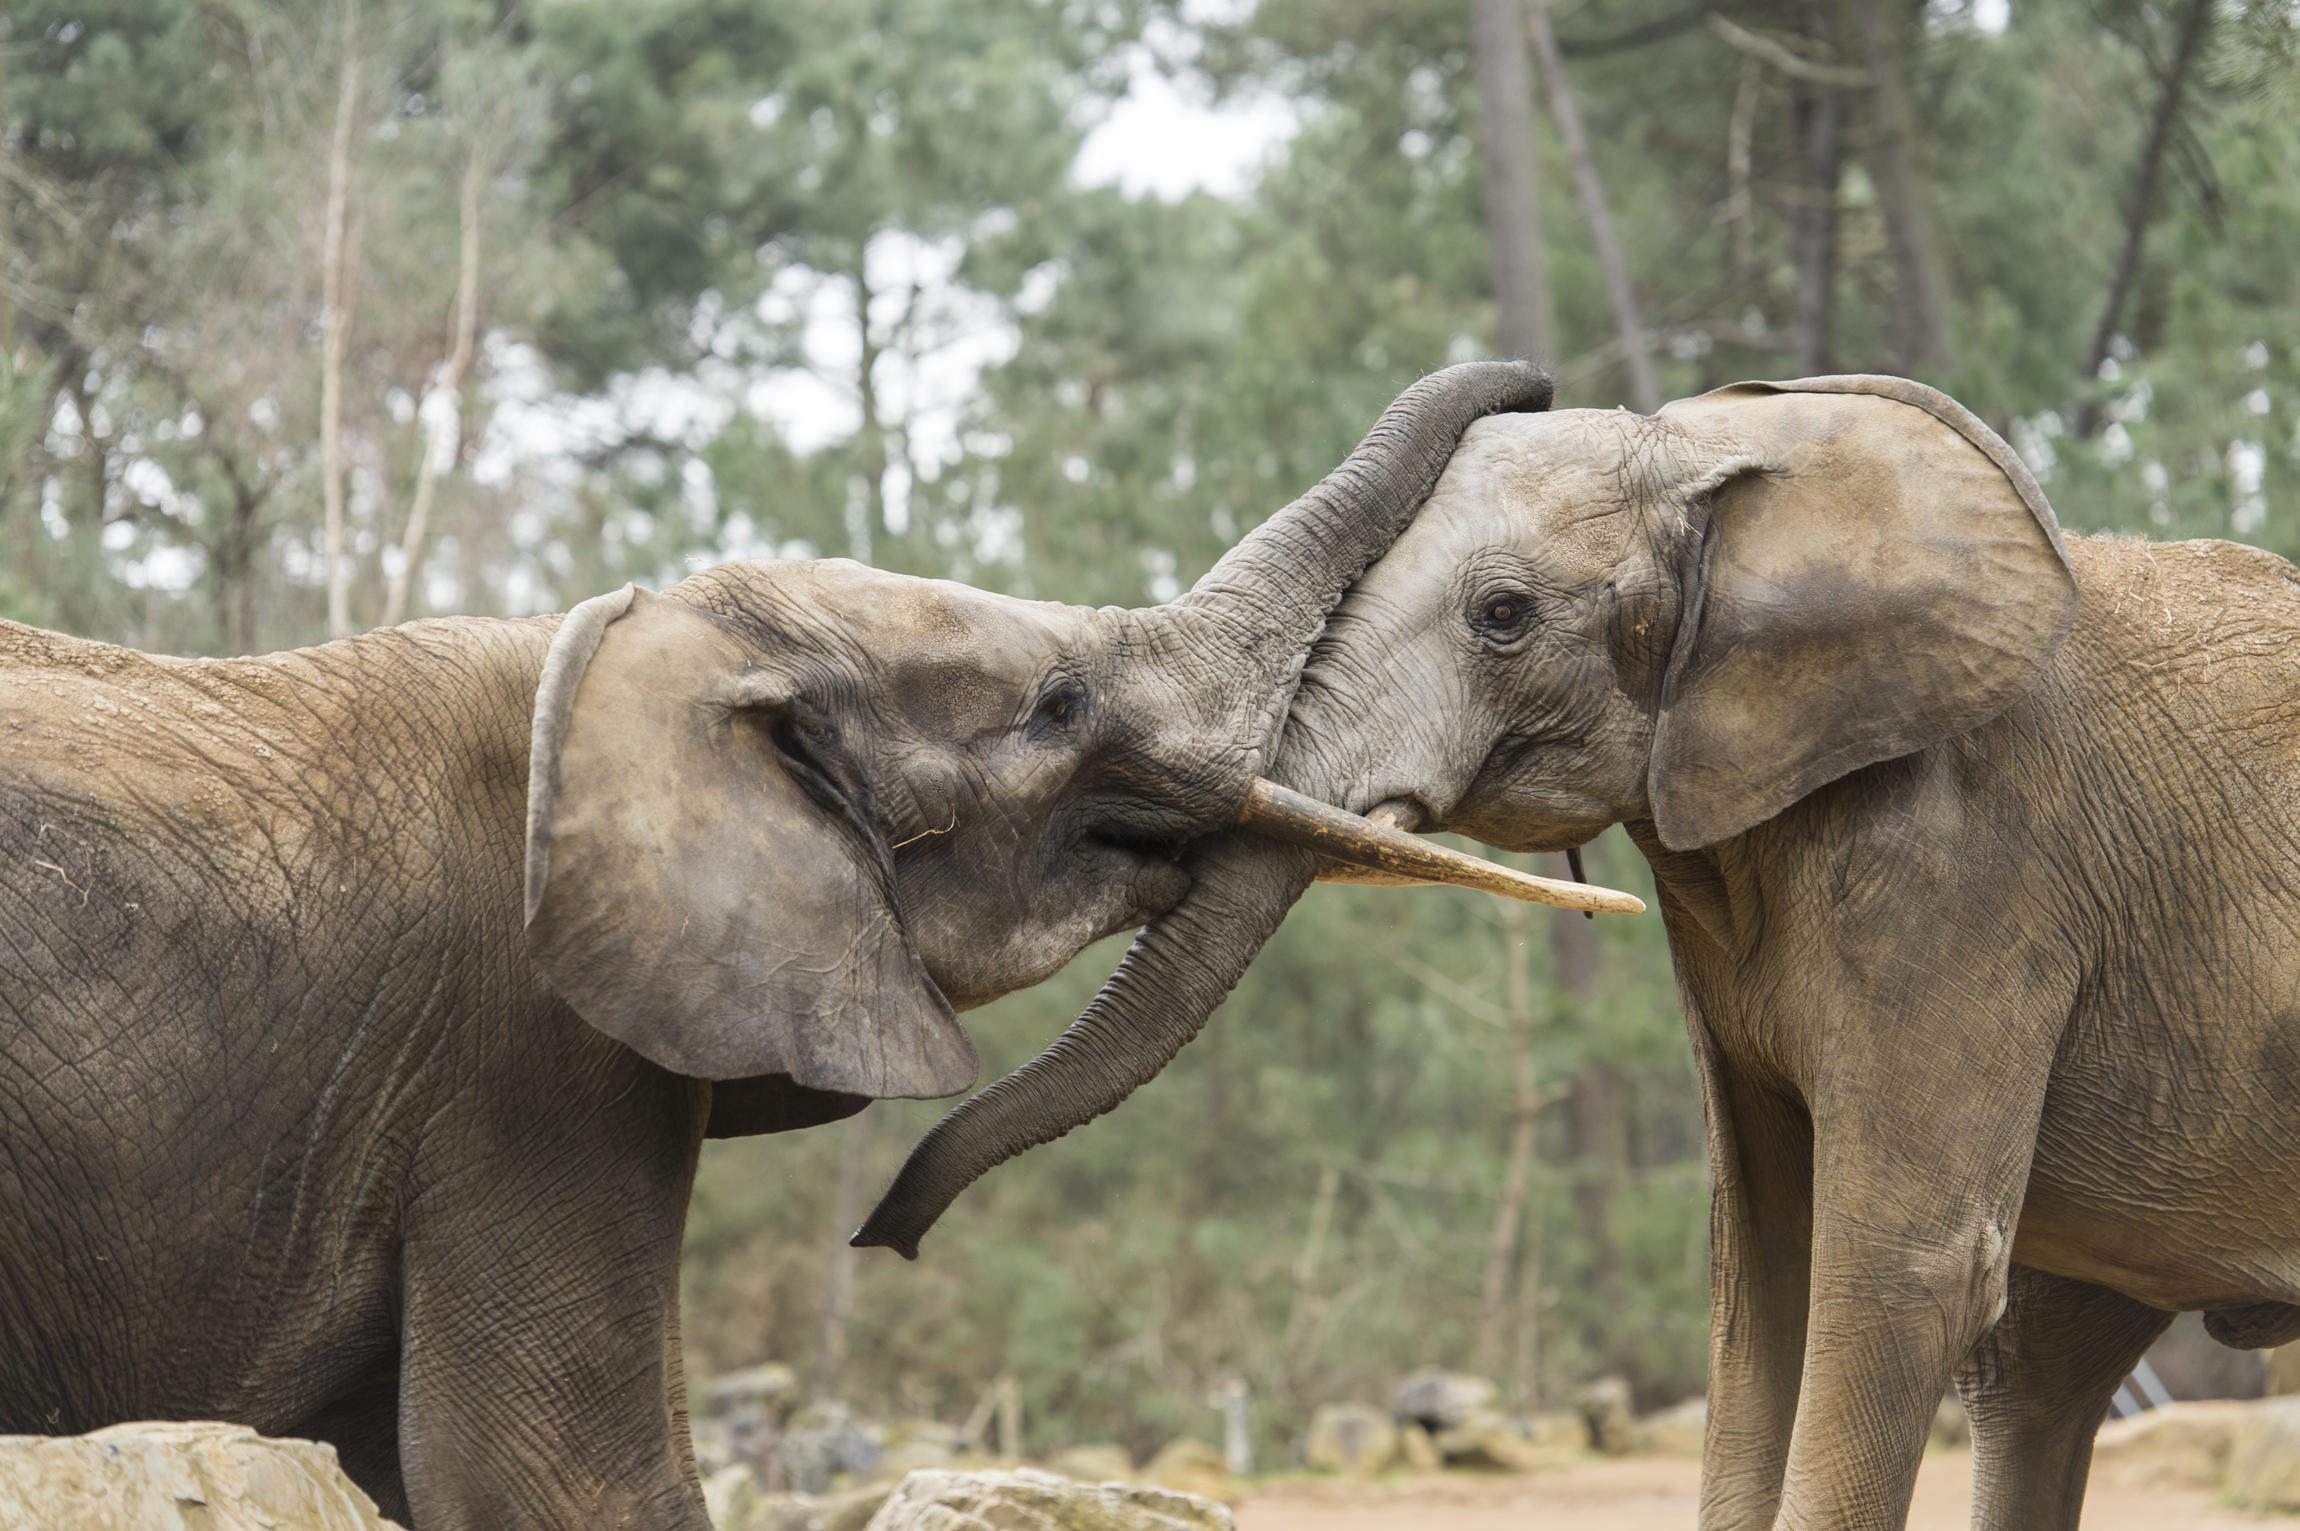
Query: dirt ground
point(1657, 1494)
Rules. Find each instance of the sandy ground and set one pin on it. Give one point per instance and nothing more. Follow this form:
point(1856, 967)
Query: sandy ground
point(1655, 1494)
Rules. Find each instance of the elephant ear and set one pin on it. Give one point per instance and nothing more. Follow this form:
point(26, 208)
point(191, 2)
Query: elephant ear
point(705, 881)
point(1877, 572)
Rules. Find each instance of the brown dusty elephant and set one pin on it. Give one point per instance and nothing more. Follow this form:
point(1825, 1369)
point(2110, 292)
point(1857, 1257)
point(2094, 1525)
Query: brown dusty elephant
point(365, 1005)
point(1979, 852)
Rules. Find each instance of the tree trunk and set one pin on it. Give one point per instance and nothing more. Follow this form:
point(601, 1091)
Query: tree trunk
point(233, 573)
point(1527, 1390)
point(2140, 206)
point(1525, 1113)
point(868, 513)
point(1305, 1319)
point(1920, 333)
point(1817, 113)
point(1512, 181)
point(335, 327)
point(839, 1278)
point(1642, 391)
point(430, 466)
point(1592, 1107)
point(7, 220)
point(1738, 131)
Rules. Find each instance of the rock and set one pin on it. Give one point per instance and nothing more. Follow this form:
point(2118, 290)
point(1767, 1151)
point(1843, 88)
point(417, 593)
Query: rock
point(1438, 1400)
point(848, 1511)
point(1488, 1440)
point(824, 1444)
point(2284, 1369)
point(2180, 1445)
point(1098, 1462)
point(1417, 1450)
point(1353, 1438)
point(1026, 1499)
point(169, 1476)
point(745, 1436)
point(2263, 1461)
point(1191, 1467)
point(1555, 1430)
point(732, 1497)
point(918, 1443)
point(1950, 1427)
point(771, 1383)
point(1677, 1430)
point(1604, 1405)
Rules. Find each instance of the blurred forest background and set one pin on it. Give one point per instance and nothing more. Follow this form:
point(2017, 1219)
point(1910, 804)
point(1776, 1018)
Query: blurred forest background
point(317, 316)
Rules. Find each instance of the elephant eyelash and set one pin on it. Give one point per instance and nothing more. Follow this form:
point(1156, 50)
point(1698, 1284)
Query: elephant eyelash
point(1060, 708)
point(809, 752)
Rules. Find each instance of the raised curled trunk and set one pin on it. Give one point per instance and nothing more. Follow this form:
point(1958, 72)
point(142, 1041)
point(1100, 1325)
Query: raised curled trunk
point(1268, 598)
point(1272, 592)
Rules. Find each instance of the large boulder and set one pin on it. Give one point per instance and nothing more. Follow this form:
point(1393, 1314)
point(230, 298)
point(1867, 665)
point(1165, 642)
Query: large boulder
point(1026, 1499)
point(2178, 1445)
point(1605, 1407)
point(1488, 1440)
point(849, 1510)
point(916, 1443)
point(827, 1447)
point(1417, 1450)
point(1353, 1438)
point(178, 1477)
point(1440, 1401)
point(2263, 1465)
point(770, 1384)
point(1095, 1462)
point(1677, 1430)
point(1189, 1466)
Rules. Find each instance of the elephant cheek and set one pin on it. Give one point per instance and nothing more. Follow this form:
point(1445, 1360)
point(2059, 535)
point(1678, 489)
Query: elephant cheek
point(1158, 887)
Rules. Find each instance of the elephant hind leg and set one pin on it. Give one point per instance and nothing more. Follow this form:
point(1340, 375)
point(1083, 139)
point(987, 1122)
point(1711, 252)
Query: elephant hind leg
point(2036, 1388)
point(2262, 1326)
point(363, 1427)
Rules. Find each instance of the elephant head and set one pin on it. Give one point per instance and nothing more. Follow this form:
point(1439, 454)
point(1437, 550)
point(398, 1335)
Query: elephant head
point(787, 818)
point(1682, 622)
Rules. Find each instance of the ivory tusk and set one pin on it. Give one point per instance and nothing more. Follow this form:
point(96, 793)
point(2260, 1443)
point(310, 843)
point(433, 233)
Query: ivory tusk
point(1373, 843)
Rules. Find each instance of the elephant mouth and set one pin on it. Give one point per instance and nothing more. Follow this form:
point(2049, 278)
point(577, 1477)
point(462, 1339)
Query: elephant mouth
point(1139, 845)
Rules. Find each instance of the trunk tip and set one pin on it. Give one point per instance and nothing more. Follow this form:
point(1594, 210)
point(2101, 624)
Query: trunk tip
point(871, 1236)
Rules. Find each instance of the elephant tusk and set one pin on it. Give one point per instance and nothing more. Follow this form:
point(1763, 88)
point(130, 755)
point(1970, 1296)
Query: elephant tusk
point(1377, 844)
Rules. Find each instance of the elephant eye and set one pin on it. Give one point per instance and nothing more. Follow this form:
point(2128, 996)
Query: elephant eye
point(1503, 614)
point(1060, 709)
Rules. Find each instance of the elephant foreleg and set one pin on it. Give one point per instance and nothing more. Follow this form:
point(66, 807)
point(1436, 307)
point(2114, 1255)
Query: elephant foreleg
point(363, 1427)
point(539, 1334)
point(1914, 1201)
point(1760, 1228)
point(2036, 1387)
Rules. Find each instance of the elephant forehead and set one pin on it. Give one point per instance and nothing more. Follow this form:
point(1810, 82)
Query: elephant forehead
point(1564, 489)
point(931, 640)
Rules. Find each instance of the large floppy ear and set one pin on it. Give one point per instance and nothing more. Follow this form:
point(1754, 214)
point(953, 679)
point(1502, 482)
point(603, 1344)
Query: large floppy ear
point(1877, 572)
point(705, 880)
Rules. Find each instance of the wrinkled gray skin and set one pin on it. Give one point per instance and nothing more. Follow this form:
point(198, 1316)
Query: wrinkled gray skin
point(300, 1128)
point(1980, 859)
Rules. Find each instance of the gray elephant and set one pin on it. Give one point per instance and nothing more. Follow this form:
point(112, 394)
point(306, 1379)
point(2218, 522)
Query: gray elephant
point(367, 1004)
point(1979, 853)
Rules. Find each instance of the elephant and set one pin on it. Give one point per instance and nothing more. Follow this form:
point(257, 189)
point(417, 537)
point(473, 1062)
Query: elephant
point(1978, 851)
point(368, 1003)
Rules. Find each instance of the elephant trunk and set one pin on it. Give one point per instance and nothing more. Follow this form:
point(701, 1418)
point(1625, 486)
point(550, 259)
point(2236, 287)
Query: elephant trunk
point(1268, 599)
point(1179, 968)
point(1275, 588)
